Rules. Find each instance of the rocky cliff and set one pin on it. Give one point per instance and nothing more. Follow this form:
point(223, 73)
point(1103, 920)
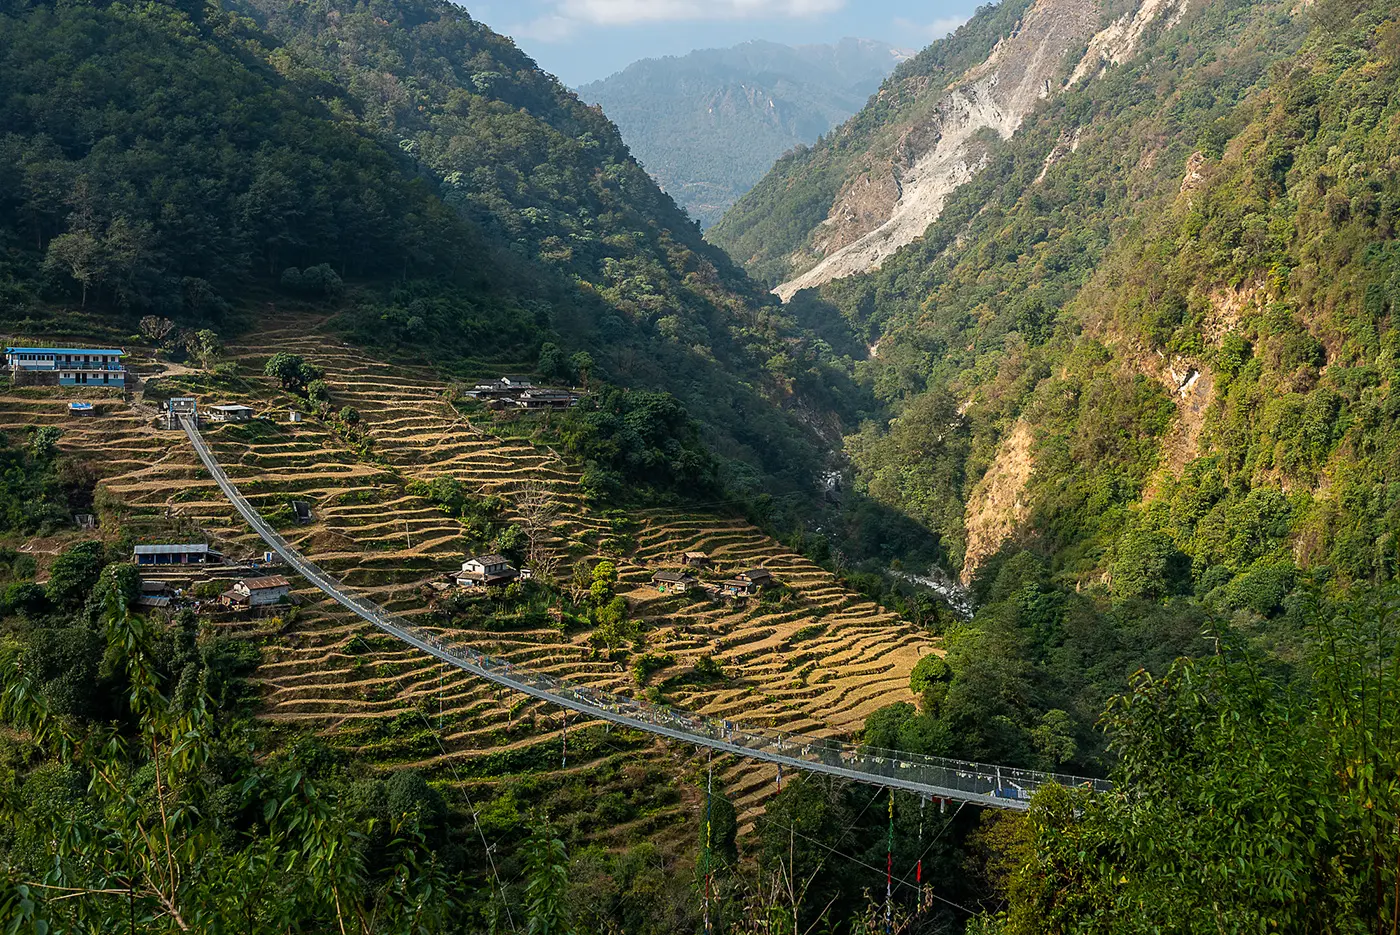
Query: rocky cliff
point(892, 187)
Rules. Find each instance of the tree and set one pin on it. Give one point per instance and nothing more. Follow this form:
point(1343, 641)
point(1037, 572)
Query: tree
point(149, 830)
point(551, 361)
point(119, 581)
point(43, 441)
point(350, 415)
point(79, 254)
point(74, 573)
point(291, 371)
point(538, 508)
point(205, 346)
point(156, 328)
point(1150, 566)
point(930, 680)
point(1242, 802)
point(582, 363)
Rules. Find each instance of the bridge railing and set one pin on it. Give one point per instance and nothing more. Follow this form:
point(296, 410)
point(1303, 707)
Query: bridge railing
point(997, 786)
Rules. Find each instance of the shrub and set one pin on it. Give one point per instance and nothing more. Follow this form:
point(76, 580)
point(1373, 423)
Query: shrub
point(1149, 565)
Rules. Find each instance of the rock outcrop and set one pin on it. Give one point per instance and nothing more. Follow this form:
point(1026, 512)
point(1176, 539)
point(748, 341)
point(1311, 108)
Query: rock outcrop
point(996, 507)
point(892, 203)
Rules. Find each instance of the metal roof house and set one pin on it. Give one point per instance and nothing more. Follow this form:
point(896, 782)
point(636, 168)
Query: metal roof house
point(67, 366)
point(230, 412)
point(258, 592)
point(747, 583)
point(546, 398)
point(486, 571)
point(672, 582)
point(196, 553)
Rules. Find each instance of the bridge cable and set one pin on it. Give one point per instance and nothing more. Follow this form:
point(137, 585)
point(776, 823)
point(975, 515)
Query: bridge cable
point(919, 864)
point(856, 860)
point(889, 871)
point(946, 826)
point(495, 875)
point(709, 834)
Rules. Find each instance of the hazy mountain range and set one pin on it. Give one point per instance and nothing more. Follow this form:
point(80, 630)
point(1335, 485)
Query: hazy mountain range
point(708, 125)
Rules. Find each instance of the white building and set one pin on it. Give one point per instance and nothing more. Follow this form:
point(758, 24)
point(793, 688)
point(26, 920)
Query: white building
point(259, 592)
point(67, 366)
point(486, 571)
point(230, 412)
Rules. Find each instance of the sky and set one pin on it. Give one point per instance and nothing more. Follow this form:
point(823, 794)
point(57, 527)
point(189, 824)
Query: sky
point(583, 40)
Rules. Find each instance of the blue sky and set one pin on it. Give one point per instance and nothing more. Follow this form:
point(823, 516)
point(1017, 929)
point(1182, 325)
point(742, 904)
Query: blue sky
point(583, 40)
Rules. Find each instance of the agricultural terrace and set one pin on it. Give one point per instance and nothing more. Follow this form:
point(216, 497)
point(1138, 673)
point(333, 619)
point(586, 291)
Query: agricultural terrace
point(817, 660)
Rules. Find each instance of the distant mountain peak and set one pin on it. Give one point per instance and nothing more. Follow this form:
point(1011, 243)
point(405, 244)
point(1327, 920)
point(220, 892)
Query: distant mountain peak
point(707, 125)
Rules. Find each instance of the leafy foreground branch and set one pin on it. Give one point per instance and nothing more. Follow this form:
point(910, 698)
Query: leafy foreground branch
point(165, 822)
point(1247, 803)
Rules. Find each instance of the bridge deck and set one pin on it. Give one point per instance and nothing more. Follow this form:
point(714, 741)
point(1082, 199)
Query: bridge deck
point(935, 777)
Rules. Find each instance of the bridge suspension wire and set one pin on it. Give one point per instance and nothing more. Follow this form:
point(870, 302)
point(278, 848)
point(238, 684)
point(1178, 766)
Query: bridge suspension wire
point(919, 863)
point(925, 852)
point(497, 884)
point(889, 872)
point(962, 781)
point(837, 852)
point(709, 833)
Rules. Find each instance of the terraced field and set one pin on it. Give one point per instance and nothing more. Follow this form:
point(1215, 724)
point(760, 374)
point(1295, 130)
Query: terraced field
point(818, 661)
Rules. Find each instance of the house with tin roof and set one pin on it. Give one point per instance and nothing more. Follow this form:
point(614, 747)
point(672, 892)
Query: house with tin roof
point(66, 366)
point(673, 582)
point(196, 553)
point(258, 592)
point(486, 571)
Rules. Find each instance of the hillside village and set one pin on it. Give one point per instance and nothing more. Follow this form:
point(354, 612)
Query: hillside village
point(781, 643)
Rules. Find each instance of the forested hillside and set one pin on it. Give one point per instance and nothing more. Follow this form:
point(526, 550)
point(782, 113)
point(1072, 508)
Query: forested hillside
point(1140, 376)
point(188, 163)
point(709, 125)
point(546, 177)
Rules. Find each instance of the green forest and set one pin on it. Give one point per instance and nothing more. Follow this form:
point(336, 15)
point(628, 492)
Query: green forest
point(190, 162)
point(1199, 604)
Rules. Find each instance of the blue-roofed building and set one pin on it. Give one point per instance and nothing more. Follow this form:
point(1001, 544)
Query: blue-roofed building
point(67, 366)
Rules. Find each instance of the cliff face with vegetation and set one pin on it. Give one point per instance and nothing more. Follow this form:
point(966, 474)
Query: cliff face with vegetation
point(878, 183)
point(1141, 376)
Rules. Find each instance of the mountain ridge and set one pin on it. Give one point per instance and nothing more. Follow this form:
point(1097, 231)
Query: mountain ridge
point(708, 124)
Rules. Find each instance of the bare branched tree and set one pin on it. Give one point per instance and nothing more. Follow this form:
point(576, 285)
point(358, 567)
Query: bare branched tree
point(157, 328)
point(538, 508)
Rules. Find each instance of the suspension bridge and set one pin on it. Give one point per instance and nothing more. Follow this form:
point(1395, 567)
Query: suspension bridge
point(927, 776)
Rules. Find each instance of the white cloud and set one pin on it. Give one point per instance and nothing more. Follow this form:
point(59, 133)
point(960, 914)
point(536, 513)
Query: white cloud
point(568, 15)
point(928, 32)
point(551, 28)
